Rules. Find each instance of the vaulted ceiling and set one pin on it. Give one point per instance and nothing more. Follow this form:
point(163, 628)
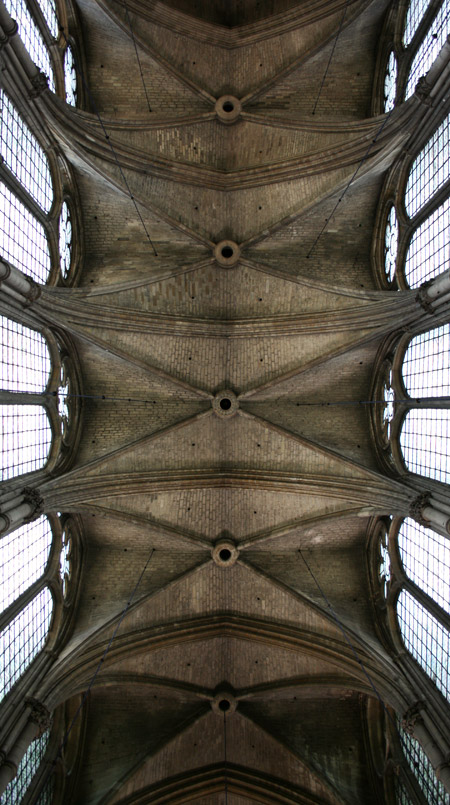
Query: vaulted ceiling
point(287, 329)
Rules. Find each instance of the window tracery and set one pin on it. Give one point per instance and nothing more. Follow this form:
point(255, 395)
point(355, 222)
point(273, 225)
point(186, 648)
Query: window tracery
point(390, 83)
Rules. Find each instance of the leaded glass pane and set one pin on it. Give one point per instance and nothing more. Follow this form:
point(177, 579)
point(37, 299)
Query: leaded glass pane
point(28, 767)
point(24, 358)
point(426, 365)
point(48, 8)
point(23, 558)
point(23, 238)
point(434, 791)
point(391, 244)
point(426, 639)
point(65, 239)
point(429, 250)
point(23, 155)
point(426, 559)
point(70, 77)
point(23, 638)
point(424, 440)
point(390, 83)
point(430, 47)
point(415, 12)
point(401, 794)
point(46, 795)
point(31, 37)
point(26, 439)
point(429, 171)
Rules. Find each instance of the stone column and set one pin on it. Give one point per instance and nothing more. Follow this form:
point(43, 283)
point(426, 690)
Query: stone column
point(38, 722)
point(429, 513)
point(414, 723)
point(24, 507)
point(21, 288)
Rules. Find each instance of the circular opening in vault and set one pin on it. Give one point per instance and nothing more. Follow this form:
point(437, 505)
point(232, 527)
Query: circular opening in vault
point(228, 106)
point(225, 404)
point(225, 556)
point(224, 705)
point(227, 251)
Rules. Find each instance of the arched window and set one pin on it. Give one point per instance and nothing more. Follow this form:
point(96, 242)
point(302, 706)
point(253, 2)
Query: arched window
point(416, 10)
point(429, 251)
point(32, 37)
point(425, 442)
point(23, 155)
point(70, 77)
point(24, 240)
point(426, 364)
point(23, 638)
point(26, 439)
point(425, 556)
point(429, 171)
point(25, 359)
point(390, 83)
point(427, 640)
point(27, 769)
point(429, 47)
point(433, 790)
point(23, 557)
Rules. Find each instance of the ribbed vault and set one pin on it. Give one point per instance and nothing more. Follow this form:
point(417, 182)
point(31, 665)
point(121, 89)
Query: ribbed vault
point(291, 331)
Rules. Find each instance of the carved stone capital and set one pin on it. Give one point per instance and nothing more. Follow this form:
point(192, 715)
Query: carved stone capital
point(35, 500)
point(423, 300)
point(417, 506)
point(423, 89)
point(413, 717)
point(39, 83)
point(34, 292)
point(39, 715)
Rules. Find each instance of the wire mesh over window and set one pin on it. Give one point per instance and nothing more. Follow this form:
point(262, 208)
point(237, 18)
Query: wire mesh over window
point(70, 77)
point(429, 250)
point(426, 365)
point(434, 791)
point(23, 155)
point(424, 441)
point(31, 38)
point(426, 639)
point(26, 439)
point(23, 638)
point(23, 559)
point(416, 10)
point(426, 559)
point(24, 358)
point(429, 171)
point(390, 83)
point(48, 8)
point(430, 47)
point(23, 238)
point(28, 767)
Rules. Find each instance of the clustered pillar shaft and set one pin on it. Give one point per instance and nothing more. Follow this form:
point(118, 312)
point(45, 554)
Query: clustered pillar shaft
point(38, 722)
